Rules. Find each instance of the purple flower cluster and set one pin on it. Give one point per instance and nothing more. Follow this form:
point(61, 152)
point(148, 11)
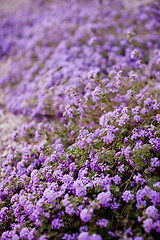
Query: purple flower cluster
point(127, 196)
point(88, 88)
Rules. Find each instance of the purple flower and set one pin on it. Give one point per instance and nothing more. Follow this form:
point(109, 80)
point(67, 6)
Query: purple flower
point(121, 168)
point(96, 237)
point(155, 143)
point(84, 236)
point(138, 178)
point(115, 205)
point(129, 94)
point(155, 162)
point(84, 229)
point(138, 145)
point(96, 94)
point(5, 235)
point(133, 76)
point(152, 211)
point(3, 214)
point(93, 73)
point(128, 231)
point(15, 237)
point(69, 236)
point(104, 198)
point(85, 215)
point(72, 167)
point(69, 209)
point(117, 179)
point(80, 188)
point(24, 233)
point(157, 184)
point(138, 238)
point(148, 225)
point(158, 118)
point(102, 222)
point(111, 233)
point(134, 54)
point(156, 226)
point(56, 223)
point(43, 237)
point(127, 196)
point(50, 195)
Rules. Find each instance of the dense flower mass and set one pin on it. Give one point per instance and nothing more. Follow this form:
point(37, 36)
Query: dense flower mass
point(85, 75)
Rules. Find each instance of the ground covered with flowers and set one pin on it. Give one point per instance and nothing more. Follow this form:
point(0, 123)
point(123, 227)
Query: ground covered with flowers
point(85, 75)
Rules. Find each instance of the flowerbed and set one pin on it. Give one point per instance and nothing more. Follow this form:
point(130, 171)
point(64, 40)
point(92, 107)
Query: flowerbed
point(86, 75)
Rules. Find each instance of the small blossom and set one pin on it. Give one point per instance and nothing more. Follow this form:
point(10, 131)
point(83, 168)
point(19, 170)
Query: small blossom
point(117, 179)
point(152, 211)
point(134, 54)
point(96, 237)
point(84, 236)
point(56, 223)
point(148, 225)
point(24, 233)
point(138, 238)
point(69, 209)
point(156, 226)
point(102, 222)
point(104, 198)
point(155, 162)
point(127, 196)
point(15, 237)
point(43, 237)
point(85, 215)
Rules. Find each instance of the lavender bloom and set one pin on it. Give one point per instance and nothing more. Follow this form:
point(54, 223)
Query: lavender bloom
point(128, 231)
point(104, 198)
point(22, 200)
point(85, 215)
point(32, 234)
point(15, 237)
point(84, 236)
point(93, 73)
point(134, 54)
point(3, 214)
point(117, 179)
point(121, 168)
point(129, 94)
point(148, 225)
point(96, 237)
point(152, 211)
point(46, 51)
point(50, 195)
point(96, 94)
point(24, 233)
point(43, 237)
point(69, 209)
point(69, 236)
point(155, 143)
point(102, 222)
point(80, 188)
point(56, 223)
point(83, 229)
point(138, 238)
point(5, 235)
point(156, 226)
point(135, 110)
point(155, 162)
point(158, 118)
point(157, 184)
point(111, 233)
point(127, 196)
point(138, 178)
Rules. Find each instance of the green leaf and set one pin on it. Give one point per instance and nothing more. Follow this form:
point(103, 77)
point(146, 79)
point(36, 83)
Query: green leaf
point(114, 188)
